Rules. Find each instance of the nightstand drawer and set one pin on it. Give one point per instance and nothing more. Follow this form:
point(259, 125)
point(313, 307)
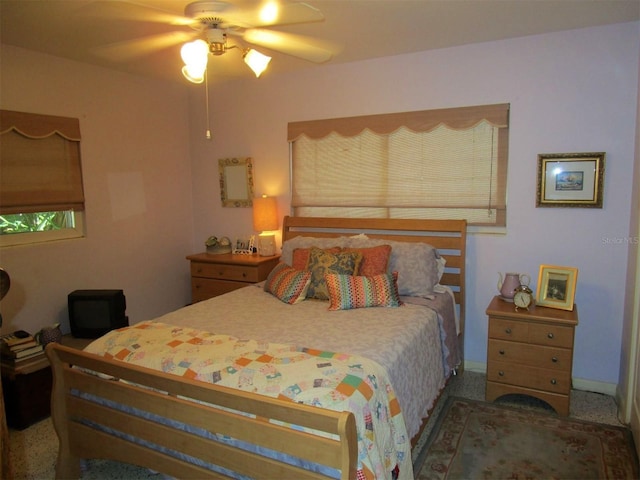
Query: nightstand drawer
point(508, 330)
point(551, 335)
point(535, 355)
point(529, 377)
point(237, 273)
point(537, 333)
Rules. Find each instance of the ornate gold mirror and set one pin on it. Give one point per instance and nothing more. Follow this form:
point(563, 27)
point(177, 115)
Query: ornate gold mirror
point(236, 182)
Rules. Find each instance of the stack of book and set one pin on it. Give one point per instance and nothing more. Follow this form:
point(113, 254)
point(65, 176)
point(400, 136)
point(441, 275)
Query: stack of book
point(20, 349)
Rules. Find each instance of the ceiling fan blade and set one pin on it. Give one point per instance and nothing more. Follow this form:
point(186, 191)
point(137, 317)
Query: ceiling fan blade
point(273, 13)
point(131, 49)
point(313, 50)
point(125, 10)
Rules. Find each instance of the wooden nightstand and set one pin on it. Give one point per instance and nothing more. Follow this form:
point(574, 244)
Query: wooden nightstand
point(213, 275)
point(530, 352)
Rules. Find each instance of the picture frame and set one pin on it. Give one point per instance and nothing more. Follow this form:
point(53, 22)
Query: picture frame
point(244, 245)
point(556, 287)
point(236, 182)
point(571, 179)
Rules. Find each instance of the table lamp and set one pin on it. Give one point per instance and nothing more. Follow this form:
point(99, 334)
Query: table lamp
point(265, 219)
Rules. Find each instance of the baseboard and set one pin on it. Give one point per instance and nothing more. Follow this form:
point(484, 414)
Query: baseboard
point(477, 367)
point(578, 383)
point(594, 386)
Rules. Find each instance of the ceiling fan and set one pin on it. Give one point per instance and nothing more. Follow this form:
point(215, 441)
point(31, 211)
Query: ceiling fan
point(215, 22)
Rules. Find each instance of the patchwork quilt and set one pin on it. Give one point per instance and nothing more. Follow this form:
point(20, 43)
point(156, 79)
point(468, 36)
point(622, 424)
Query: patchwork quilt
point(330, 380)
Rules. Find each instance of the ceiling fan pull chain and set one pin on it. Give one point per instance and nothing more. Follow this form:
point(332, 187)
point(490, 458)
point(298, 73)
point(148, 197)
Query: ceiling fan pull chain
point(206, 96)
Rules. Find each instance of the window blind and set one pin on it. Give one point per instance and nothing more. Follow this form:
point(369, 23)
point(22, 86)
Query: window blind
point(40, 167)
point(434, 164)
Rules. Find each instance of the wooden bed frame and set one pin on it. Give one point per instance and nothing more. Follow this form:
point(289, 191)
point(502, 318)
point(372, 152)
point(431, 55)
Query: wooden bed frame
point(163, 394)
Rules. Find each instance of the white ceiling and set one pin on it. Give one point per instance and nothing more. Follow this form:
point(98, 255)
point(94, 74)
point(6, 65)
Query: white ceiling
point(362, 29)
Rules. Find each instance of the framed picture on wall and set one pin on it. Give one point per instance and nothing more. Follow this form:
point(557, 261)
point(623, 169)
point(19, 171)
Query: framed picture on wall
point(556, 287)
point(570, 180)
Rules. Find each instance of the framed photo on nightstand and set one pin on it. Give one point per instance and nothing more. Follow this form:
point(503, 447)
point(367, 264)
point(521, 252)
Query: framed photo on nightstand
point(244, 245)
point(556, 287)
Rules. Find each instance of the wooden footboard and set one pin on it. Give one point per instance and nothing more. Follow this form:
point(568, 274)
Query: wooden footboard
point(86, 428)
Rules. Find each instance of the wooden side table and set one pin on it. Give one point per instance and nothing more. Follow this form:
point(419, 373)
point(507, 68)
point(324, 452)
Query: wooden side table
point(27, 389)
point(213, 275)
point(530, 352)
point(27, 393)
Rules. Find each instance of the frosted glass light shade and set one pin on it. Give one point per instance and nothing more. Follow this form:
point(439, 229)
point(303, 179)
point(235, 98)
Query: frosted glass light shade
point(256, 61)
point(195, 56)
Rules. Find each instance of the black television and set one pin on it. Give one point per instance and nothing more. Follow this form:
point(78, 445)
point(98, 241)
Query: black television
point(92, 313)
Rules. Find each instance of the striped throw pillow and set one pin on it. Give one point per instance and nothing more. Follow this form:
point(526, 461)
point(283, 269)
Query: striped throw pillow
point(287, 284)
point(347, 291)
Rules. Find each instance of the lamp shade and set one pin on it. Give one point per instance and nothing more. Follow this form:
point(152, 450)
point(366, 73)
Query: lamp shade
point(265, 214)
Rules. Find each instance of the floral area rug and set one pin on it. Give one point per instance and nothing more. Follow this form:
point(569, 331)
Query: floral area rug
point(478, 440)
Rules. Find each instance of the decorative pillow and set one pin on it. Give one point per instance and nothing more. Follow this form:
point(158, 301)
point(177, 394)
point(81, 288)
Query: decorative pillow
point(347, 292)
point(322, 262)
point(375, 260)
point(301, 256)
point(289, 246)
point(287, 284)
point(419, 264)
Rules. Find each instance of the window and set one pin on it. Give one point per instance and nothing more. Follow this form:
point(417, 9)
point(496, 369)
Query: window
point(41, 193)
point(447, 163)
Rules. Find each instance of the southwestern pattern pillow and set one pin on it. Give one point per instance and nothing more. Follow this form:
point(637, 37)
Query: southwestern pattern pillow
point(322, 262)
point(301, 256)
point(347, 292)
point(287, 284)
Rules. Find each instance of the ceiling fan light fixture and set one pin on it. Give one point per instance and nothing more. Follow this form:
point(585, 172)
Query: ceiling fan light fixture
point(193, 76)
point(195, 56)
point(256, 61)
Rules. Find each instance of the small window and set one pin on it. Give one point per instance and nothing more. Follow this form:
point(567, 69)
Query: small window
point(25, 228)
point(41, 192)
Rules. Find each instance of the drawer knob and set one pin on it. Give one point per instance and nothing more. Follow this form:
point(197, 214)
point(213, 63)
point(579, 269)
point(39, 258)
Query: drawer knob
point(198, 270)
point(507, 331)
point(501, 373)
point(549, 335)
point(554, 381)
point(554, 359)
point(244, 274)
point(501, 352)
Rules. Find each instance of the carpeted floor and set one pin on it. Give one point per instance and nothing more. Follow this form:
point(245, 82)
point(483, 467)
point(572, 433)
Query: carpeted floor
point(34, 450)
point(479, 440)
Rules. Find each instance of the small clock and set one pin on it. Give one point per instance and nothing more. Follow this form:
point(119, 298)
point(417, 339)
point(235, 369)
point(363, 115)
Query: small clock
point(523, 297)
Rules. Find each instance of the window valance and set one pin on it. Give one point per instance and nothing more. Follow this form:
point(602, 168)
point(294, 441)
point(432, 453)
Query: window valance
point(40, 168)
point(420, 121)
point(32, 125)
